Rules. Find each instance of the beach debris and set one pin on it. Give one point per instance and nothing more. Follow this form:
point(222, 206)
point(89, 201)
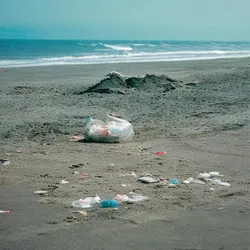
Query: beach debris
point(126, 185)
point(40, 192)
point(5, 162)
point(134, 198)
point(173, 182)
point(208, 175)
point(84, 176)
point(163, 182)
point(108, 204)
point(114, 130)
point(160, 152)
point(192, 180)
point(64, 182)
point(87, 202)
point(19, 151)
point(77, 138)
point(81, 212)
point(75, 172)
point(76, 165)
point(147, 180)
point(219, 182)
point(130, 174)
point(4, 211)
point(211, 178)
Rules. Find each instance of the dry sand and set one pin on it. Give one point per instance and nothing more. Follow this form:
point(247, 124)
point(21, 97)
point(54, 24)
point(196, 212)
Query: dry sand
point(203, 126)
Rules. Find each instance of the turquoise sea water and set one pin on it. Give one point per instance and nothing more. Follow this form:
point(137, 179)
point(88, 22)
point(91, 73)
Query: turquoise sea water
point(22, 53)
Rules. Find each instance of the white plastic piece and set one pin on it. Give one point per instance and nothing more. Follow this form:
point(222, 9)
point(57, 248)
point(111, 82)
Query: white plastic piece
point(40, 192)
point(134, 198)
point(64, 182)
point(219, 182)
point(192, 180)
point(209, 175)
point(6, 163)
point(87, 202)
point(213, 174)
point(147, 180)
point(114, 130)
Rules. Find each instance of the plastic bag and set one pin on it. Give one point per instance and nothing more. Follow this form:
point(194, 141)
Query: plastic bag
point(114, 130)
point(86, 203)
point(125, 198)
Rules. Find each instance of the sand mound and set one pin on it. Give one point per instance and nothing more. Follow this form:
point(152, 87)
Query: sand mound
point(117, 83)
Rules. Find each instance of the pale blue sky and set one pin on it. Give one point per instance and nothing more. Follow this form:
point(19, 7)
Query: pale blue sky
point(126, 19)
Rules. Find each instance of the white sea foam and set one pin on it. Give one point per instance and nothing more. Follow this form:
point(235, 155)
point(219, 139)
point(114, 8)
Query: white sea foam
point(117, 47)
point(138, 44)
point(102, 49)
point(128, 57)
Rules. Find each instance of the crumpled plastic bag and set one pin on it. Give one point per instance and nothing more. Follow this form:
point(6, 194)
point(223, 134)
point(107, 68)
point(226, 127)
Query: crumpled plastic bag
point(86, 203)
point(114, 130)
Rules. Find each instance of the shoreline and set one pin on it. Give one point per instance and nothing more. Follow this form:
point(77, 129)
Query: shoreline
point(132, 62)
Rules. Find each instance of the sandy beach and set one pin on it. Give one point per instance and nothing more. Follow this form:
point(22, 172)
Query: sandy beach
point(203, 125)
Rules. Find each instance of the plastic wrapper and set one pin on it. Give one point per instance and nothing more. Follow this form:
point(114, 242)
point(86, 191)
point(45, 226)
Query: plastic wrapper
point(114, 130)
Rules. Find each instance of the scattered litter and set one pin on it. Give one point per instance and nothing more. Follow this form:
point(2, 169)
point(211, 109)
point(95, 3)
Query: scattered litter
point(160, 152)
point(114, 130)
point(130, 174)
point(76, 165)
point(212, 189)
point(221, 208)
point(126, 185)
point(40, 192)
point(112, 165)
point(173, 182)
point(87, 202)
point(8, 154)
point(163, 182)
point(125, 198)
point(147, 180)
point(82, 212)
point(108, 204)
point(64, 182)
point(19, 151)
point(192, 180)
point(219, 182)
point(76, 138)
point(207, 178)
point(83, 176)
point(5, 162)
point(208, 175)
point(75, 172)
point(4, 211)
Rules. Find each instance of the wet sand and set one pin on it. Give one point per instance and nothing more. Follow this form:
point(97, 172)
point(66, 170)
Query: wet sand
point(203, 126)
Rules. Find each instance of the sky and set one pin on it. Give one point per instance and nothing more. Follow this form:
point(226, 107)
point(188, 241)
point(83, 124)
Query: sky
point(211, 20)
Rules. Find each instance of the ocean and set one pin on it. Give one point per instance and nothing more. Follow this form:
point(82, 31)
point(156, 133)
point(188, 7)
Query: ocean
point(25, 53)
